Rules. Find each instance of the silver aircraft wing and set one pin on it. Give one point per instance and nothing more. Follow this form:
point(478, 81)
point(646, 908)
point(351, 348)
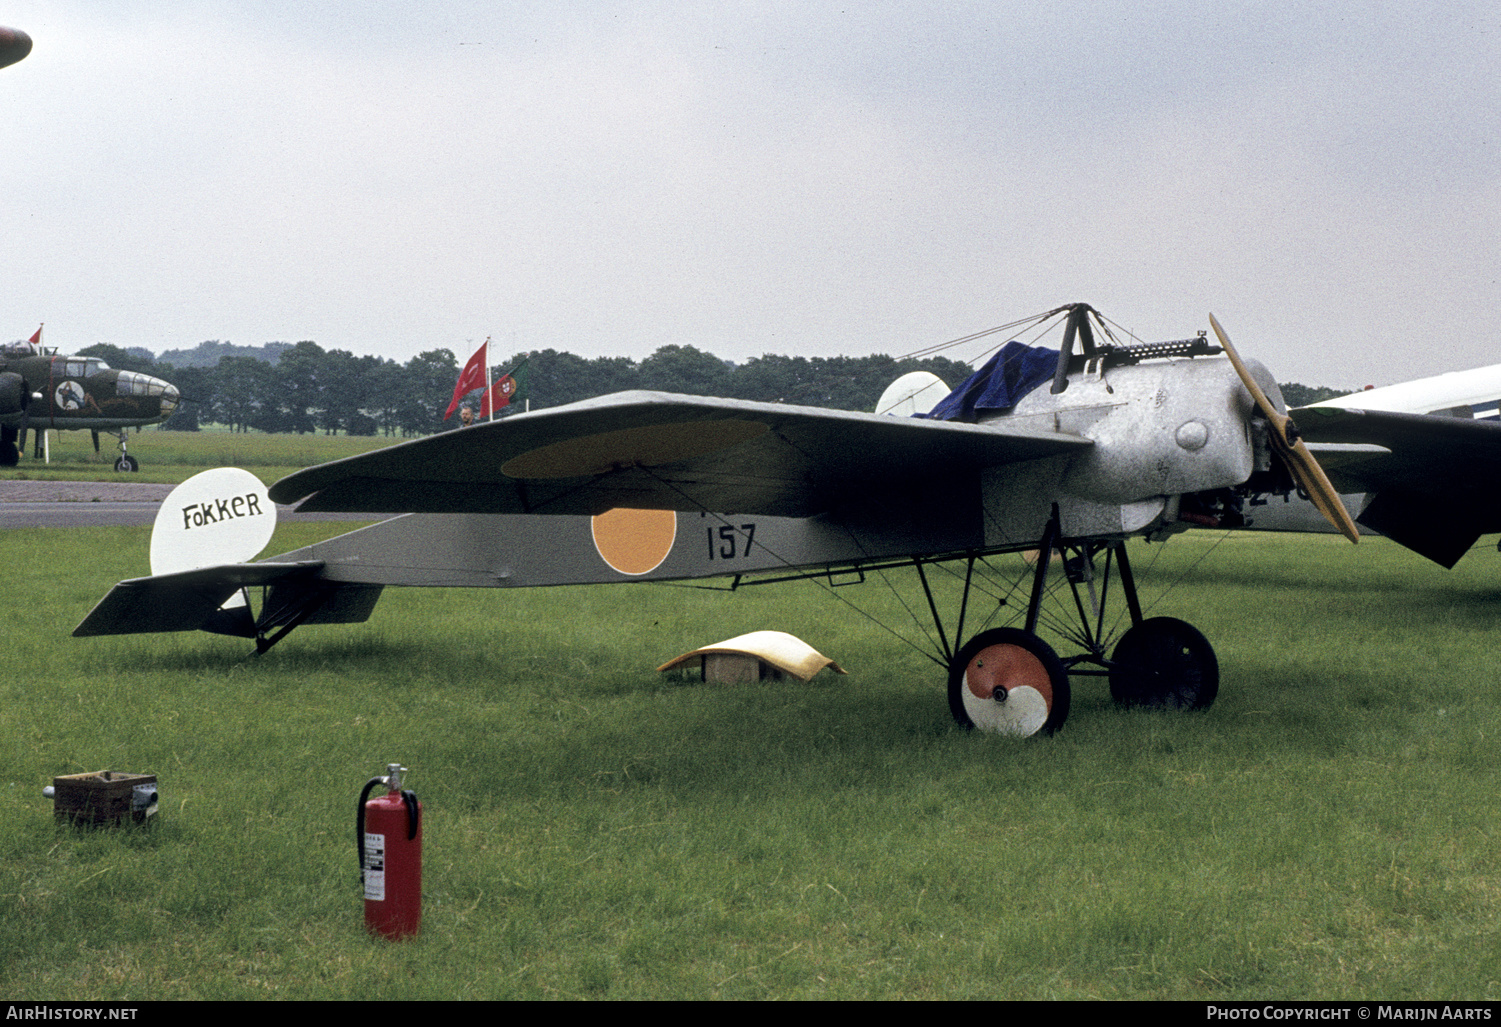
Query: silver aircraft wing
point(661, 451)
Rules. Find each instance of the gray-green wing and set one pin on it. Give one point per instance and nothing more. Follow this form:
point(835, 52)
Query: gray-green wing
point(646, 450)
point(1435, 480)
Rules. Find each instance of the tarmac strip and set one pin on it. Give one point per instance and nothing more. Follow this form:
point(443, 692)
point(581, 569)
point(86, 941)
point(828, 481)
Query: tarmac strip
point(83, 492)
point(75, 504)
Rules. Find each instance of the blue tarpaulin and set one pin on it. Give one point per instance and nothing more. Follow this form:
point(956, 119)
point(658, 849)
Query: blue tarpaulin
point(1006, 377)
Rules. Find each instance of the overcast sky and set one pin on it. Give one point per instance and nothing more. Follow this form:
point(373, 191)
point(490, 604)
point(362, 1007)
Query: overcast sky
point(803, 178)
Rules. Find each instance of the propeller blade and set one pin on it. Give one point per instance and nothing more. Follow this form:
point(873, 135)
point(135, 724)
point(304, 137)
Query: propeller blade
point(1305, 469)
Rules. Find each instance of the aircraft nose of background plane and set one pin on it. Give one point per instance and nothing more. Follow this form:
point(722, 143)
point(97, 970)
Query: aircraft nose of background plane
point(14, 45)
point(170, 397)
point(142, 389)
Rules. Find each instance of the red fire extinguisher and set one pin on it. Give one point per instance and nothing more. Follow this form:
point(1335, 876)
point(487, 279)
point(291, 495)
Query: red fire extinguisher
point(388, 831)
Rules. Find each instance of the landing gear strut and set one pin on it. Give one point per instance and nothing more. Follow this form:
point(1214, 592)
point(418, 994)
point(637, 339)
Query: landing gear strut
point(126, 463)
point(1008, 680)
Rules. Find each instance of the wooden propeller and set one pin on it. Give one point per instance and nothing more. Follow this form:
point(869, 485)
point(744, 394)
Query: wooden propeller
point(1305, 469)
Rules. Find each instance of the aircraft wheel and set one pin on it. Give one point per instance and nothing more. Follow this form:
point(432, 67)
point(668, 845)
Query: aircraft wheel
point(1164, 663)
point(127, 464)
point(10, 454)
point(1009, 682)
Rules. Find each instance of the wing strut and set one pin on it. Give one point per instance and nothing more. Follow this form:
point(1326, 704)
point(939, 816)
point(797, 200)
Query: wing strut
point(943, 639)
point(1040, 578)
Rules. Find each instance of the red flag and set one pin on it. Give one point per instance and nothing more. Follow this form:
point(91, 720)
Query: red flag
point(471, 378)
point(36, 340)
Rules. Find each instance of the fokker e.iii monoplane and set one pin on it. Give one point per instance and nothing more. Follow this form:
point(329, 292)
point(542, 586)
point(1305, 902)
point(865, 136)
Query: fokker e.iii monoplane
point(1069, 451)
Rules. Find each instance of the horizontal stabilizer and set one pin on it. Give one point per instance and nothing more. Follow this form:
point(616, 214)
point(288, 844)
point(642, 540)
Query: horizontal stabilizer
point(183, 601)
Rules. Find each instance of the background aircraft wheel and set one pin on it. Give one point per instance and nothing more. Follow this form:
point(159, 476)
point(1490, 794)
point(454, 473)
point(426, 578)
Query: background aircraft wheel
point(1164, 663)
point(127, 463)
point(1010, 682)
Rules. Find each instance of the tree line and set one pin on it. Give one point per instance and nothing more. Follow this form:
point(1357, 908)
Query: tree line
point(310, 389)
point(304, 388)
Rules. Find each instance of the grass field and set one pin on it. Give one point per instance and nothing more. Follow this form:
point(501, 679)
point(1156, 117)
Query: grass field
point(1327, 830)
point(175, 456)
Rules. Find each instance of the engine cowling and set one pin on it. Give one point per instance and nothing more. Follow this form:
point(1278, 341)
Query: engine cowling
point(15, 394)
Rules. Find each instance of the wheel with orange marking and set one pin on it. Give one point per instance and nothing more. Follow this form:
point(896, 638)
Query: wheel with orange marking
point(1008, 682)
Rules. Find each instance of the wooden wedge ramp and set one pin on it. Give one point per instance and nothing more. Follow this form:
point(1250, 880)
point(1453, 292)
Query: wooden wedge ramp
point(788, 653)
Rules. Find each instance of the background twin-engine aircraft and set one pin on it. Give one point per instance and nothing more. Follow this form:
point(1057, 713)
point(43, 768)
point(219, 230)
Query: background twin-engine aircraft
point(41, 389)
point(1068, 451)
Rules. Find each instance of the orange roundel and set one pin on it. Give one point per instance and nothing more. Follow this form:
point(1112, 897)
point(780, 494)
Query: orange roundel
point(634, 541)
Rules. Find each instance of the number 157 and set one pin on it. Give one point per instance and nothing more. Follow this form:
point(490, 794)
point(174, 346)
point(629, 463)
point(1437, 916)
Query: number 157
point(723, 544)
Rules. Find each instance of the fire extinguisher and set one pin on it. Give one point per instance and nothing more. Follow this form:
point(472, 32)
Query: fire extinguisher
point(388, 833)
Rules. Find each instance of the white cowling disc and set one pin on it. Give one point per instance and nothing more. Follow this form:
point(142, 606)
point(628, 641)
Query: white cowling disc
point(219, 516)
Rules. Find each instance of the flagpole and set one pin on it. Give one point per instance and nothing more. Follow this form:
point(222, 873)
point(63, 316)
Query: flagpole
point(469, 378)
point(489, 403)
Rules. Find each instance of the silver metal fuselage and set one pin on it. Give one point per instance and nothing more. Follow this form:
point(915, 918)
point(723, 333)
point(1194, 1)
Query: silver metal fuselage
point(1160, 430)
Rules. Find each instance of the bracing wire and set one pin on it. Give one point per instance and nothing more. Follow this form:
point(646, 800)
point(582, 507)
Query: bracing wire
point(984, 578)
point(827, 588)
